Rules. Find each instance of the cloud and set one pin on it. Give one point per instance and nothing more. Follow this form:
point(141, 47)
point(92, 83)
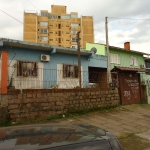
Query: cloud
point(120, 30)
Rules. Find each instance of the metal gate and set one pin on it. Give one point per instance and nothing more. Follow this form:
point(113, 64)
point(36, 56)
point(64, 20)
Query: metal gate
point(130, 91)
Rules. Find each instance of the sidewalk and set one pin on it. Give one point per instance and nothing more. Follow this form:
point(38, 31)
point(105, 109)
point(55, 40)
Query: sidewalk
point(130, 123)
point(120, 121)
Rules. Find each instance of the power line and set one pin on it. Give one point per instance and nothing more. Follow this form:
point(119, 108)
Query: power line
point(17, 20)
point(33, 5)
point(128, 18)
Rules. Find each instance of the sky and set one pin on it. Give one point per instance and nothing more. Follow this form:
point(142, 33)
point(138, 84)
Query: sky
point(128, 20)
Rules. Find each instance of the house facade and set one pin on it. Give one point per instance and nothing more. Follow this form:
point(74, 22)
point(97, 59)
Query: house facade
point(32, 65)
point(130, 69)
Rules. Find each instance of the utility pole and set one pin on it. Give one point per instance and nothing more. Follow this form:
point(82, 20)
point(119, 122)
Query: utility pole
point(107, 48)
point(79, 58)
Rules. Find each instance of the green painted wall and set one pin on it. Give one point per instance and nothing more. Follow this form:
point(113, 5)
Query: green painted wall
point(125, 57)
point(100, 48)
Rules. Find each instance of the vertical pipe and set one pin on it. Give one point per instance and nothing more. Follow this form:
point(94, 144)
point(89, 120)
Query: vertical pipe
point(4, 73)
point(107, 47)
point(79, 58)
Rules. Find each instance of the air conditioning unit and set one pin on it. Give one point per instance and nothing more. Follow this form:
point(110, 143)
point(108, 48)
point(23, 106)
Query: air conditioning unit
point(45, 57)
point(142, 66)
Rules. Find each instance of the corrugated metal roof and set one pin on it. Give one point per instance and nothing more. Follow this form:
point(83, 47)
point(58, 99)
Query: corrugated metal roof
point(128, 69)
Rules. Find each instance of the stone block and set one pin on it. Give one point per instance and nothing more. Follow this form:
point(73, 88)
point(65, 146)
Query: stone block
point(93, 100)
point(13, 106)
point(38, 95)
point(87, 100)
point(59, 103)
point(29, 95)
point(93, 93)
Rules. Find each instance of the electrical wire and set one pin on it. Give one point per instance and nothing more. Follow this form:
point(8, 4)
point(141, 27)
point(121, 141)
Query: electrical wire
point(21, 22)
point(128, 18)
point(17, 20)
point(33, 5)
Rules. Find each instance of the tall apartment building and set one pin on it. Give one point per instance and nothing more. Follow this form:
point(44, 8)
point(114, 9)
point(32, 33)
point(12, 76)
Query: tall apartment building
point(57, 27)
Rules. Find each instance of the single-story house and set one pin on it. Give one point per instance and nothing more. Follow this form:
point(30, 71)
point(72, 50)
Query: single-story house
point(26, 65)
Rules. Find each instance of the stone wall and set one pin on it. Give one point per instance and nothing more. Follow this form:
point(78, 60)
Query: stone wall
point(35, 104)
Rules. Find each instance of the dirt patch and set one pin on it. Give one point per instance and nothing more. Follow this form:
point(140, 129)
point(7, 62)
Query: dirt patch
point(134, 142)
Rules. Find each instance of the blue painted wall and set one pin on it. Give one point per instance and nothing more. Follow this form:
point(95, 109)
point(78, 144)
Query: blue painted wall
point(56, 58)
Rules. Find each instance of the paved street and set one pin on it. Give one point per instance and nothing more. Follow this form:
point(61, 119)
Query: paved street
point(130, 123)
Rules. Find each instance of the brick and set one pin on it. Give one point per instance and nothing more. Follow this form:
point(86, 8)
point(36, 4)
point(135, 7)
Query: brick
point(112, 98)
point(59, 103)
point(103, 99)
point(44, 104)
point(29, 95)
point(87, 100)
point(20, 95)
point(11, 111)
point(116, 91)
point(28, 105)
point(39, 95)
point(13, 106)
point(93, 100)
point(92, 93)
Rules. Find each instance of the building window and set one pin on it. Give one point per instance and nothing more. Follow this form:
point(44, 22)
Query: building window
point(67, 33)
point(43, 31)
point(74, 15)
point(62, 39)
point(70, 71)
point(43, 38)
point(73, 46)
point(65, 17)
point(114, 58)
point(43, 23)
point(74, 32)
point(147, 65)
point(44, 14)
point(51, 39)
point(74, 25)
point(74, 39)
point(52, 16)
point(26, 69)
point(56, 39)
point(51, 32)
point(133, 61)
point(56, 32)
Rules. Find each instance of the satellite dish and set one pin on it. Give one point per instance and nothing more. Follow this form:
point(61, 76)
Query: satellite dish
point(93, 49)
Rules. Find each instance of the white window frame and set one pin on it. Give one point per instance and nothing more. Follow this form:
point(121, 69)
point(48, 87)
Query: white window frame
point(115, 58)
point(133, 61)
point(43, 23)
point(74, 25)
point(44, 38)
point(74, 32)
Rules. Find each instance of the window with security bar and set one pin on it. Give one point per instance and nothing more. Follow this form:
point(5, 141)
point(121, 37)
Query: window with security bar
point(43, 31)
point(27, 69)
point(114, 58)
point(70, 71)
point(133, 61)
